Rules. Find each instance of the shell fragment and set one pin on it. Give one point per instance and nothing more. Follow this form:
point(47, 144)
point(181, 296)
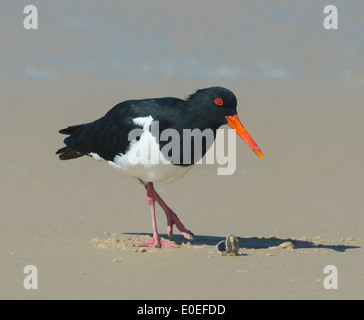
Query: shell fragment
point(228, 247)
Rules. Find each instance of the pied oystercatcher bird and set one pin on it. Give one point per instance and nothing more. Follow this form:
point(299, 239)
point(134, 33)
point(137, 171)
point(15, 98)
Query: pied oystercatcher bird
point(108, 138)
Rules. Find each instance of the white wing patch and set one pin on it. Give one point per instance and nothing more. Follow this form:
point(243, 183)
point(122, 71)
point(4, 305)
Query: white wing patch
point(95, 156)
point(144, 122)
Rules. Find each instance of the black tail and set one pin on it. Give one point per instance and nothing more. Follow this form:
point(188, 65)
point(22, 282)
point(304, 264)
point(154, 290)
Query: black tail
point(67, 152)
point(70, 130)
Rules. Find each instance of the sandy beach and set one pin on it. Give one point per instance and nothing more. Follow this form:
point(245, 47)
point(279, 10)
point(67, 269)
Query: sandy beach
point(76, 220)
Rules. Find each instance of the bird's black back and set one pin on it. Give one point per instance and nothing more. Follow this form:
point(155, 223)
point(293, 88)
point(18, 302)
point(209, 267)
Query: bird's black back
point(108, 136)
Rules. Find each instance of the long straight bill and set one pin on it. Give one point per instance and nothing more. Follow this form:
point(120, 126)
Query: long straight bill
point(235, 123)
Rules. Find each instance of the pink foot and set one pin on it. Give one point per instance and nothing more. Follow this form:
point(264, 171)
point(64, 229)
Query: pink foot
point(156, 243)
point(172, 219)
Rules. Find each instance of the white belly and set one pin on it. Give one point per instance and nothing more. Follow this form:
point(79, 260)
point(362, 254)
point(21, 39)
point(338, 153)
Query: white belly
point(144, 160)
point(153, 172)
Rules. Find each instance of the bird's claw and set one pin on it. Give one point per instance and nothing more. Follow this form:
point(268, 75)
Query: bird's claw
point(187, 235)
point(156, 243)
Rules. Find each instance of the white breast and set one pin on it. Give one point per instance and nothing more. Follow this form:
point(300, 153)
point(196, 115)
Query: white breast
point(144, 160)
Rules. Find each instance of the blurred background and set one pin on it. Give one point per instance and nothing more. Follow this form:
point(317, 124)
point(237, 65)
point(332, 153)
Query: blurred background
point(131, 41)
point(299, 90)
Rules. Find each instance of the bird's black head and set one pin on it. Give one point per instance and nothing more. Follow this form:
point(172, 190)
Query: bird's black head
point(217, 106)
point(215, 103)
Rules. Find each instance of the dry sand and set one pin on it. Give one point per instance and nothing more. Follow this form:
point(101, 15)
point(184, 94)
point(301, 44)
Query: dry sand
point(76, 221)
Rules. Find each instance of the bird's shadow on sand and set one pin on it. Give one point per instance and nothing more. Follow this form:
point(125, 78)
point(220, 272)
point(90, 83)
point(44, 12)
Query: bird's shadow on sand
point(258, 242)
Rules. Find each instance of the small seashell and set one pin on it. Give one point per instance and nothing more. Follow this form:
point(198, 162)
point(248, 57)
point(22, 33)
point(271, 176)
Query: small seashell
point(221, 247)
point(232, 244)
point(286, 245)
point(228, 247)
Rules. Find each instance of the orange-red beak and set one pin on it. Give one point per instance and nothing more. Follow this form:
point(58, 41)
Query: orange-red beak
point(235, 123)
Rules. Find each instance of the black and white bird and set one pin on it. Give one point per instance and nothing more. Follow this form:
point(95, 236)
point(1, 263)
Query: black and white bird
point(125, 138)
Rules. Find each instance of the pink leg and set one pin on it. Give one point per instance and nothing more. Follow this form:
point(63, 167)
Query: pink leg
point(156, 242)
point(172, 219)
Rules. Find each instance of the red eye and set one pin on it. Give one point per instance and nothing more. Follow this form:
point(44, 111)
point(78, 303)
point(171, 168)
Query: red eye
point(219, 101)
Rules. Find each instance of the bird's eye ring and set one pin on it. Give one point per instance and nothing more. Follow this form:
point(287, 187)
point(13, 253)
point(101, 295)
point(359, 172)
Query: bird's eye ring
point(218, 101)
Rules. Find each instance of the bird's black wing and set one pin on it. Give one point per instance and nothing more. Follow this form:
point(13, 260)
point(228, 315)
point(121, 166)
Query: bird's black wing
point(107, 136)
